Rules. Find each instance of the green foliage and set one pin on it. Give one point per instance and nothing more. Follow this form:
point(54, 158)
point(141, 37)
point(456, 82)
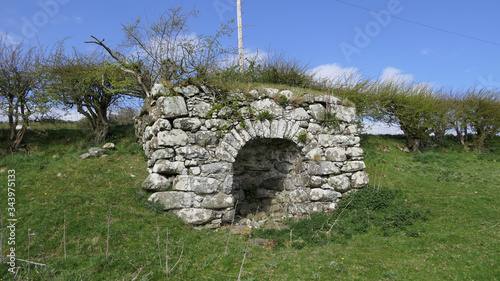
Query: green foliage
point(155, 207)
point(282, 100)
point(461, 230)
point(409, 105)
point(376, 210)
point(273, 68)
point(21, 87)
point(89, 83)
point(331, 120)
point(264, 115)
point(302, 138)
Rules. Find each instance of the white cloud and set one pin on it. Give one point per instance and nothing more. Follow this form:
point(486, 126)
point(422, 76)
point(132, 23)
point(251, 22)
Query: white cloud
point(393, 74)
point(425, 51)
point(335, 73)
point(379, 128)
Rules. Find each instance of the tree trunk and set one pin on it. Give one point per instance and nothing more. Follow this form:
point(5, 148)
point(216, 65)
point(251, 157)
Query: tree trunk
point(15, 144)
point(12, 122)
point(413, 143)
point(101, 131)
point(438, 137)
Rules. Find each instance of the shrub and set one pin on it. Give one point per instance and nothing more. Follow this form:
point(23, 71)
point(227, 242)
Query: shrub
point(272, 68)
point(282, 100)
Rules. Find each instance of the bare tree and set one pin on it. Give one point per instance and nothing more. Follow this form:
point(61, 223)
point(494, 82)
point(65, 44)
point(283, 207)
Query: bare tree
point(163, 50)
point(20, 86)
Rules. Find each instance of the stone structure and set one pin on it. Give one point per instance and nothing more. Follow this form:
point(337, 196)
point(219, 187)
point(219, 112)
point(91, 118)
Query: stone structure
point(284, 155)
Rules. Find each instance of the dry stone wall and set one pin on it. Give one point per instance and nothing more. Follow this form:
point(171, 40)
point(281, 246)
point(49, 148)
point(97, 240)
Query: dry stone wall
point(268, 152)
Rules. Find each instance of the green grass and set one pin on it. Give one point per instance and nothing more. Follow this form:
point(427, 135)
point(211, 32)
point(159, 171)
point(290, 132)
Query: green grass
point(458, 191)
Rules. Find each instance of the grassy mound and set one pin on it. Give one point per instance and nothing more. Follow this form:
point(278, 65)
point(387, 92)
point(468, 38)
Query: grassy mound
point(426, 216)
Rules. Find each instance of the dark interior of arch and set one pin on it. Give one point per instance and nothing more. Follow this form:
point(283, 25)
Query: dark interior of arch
point(263, 169)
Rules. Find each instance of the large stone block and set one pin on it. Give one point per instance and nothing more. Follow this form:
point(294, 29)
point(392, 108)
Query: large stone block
point(168, 167)
point(354, 152)
point(300, 114)
point(201, 109)
point(193, 152)
point(359, 179)
point(343, 113)
point(324, 195)
point(156, 182)
point(165, 153)
point(216, 168)
point(187, 91)
point(205, 138)
point(278, 129)
point(175, 137)
point(340, 183)
point(317, 111)
point(337, 154)
point(353, 166)
point(187, 124)
point(172, 107)
point(172, 199)
point(159, 90)
point(323, 168)
point(267, 105)
point(160, 125)
point(195, 215)
point(199, 185)
point(218, 201)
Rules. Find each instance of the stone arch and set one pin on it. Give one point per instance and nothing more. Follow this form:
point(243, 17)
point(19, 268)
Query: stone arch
point(201, 164)
point(265, 172)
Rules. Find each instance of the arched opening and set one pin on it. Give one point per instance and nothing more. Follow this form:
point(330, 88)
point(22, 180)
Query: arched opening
point(264, 171)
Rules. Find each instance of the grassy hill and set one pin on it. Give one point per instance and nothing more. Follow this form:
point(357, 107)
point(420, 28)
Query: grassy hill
point(59, 195)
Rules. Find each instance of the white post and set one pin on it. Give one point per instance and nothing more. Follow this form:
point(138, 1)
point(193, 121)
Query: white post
point(240, 38)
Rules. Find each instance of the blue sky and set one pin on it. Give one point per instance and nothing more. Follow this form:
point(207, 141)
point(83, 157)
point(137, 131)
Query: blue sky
point(452, 44)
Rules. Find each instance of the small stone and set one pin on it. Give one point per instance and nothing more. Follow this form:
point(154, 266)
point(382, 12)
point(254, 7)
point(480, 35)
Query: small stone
point(187, 91)
point(85, 156)
point(109, 145)
point(96, 151)
point(359, 179)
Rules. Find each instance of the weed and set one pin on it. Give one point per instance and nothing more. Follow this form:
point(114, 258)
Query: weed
point(331, 120)
point(264, 115)
point(296, 100)
point(282, 100)
point(302, 138)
